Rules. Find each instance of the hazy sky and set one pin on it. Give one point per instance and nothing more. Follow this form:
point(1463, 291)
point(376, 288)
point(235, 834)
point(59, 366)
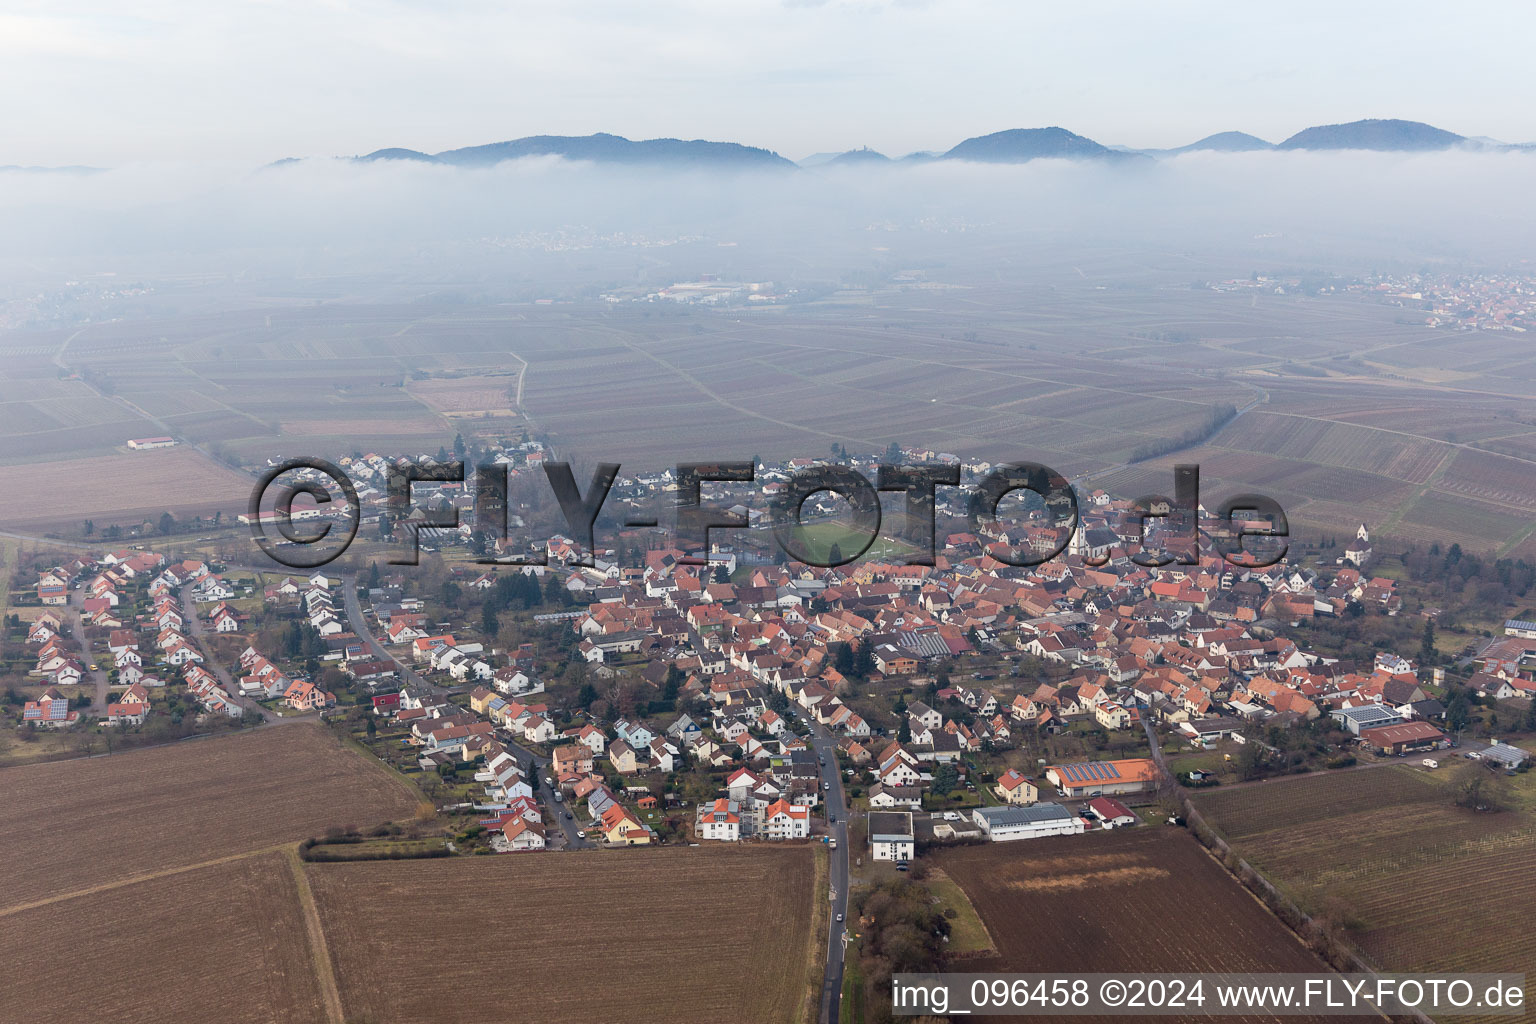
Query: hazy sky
point(100, 82)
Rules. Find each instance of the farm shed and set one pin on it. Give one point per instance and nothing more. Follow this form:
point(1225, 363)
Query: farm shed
point(1111, 812)
point(1504, 754)
point(1403, 736)
point(1368, 716)
point(1002, 824)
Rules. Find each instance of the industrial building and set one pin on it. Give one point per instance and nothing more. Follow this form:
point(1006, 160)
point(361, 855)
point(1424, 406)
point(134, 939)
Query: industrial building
point(1104, 778)
point(1401, 737)
point(1003, 824)
point(1367, 716)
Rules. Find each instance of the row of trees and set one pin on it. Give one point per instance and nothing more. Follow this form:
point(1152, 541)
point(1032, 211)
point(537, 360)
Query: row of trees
point(1452, 573)
point(1214, 420)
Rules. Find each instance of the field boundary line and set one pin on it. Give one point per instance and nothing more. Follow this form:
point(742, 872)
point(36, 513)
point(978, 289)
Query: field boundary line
point(136, 879)
point(319, 952)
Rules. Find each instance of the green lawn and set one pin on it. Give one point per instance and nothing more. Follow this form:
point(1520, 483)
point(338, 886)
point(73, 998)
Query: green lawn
point(967, 933)
point(1202, 760)
point(853, 986)
point(7, 570)
point(820, 538)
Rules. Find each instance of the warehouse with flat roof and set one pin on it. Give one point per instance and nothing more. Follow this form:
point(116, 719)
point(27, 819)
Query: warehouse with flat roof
point(1367, 716)
point(1002, 824)
point(1402, 737)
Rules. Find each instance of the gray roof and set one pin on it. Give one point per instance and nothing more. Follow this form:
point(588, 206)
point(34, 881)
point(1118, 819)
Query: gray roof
point(1006, 816)
point(1220, 723)
point(1505, 754)
point(1368, 714)
point(925, 644)
point(889, 826)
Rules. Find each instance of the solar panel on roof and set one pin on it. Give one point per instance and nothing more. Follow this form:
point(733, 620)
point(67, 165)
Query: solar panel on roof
point(1091, 771)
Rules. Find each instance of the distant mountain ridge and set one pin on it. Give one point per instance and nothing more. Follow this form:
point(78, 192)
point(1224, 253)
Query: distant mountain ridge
point(1010, 146)
point(600, 148)
point(1225, 142)
point(1018, 145)
point(864, 156)
point(1383, 135)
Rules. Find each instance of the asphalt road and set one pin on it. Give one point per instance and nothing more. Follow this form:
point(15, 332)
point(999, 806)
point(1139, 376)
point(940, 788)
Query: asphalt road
point(196, 633)
point(836, 806)
point(97, 677)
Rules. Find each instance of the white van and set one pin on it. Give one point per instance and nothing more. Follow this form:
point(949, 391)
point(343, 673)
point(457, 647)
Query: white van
point(1430, 762)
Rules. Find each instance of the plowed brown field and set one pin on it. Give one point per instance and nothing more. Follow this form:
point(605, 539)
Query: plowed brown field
point(697, 935)
point(223, 943)
point(71, 825)
point(1142, 900)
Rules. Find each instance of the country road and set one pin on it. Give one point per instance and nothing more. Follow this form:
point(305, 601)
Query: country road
point(837, 808)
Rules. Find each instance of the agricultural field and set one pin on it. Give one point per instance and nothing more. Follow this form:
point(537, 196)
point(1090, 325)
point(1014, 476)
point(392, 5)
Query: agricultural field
point(224, 943)
point(467, 396)
point(1350, 412)
point(1142, 899)
point(707, 935)
point(1418, 883)
point(182, 804)
point(127, 487)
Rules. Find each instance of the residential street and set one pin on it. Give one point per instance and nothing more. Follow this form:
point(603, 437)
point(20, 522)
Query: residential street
point(196, 633)
point(837, 806)
point(97, 676)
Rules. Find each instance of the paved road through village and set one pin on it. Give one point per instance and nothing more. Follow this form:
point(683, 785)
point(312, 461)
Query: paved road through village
point(837, 807)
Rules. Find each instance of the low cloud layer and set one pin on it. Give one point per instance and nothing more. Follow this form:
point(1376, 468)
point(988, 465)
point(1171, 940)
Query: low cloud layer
point(404, 218)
